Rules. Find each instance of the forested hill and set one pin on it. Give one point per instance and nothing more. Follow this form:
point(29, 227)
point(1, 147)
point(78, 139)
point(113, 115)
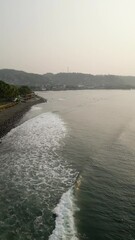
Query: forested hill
point(64, 81)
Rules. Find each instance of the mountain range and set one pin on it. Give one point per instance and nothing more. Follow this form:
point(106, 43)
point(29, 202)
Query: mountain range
point(65, 81)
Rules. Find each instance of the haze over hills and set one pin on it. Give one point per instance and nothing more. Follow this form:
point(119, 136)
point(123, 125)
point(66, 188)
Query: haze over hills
point(65, 81)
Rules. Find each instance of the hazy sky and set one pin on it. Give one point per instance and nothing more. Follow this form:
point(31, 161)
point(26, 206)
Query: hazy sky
point(90, 36)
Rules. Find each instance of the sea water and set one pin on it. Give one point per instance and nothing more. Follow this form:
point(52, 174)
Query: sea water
point(68, 169)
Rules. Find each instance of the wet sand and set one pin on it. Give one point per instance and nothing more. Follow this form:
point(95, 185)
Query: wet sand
point(11, 116)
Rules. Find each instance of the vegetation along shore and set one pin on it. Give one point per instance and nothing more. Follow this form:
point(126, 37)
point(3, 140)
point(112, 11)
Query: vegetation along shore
point(14, 102)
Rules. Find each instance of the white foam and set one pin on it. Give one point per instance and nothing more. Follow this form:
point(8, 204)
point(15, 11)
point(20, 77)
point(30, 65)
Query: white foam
point(46, 129)
point(35, 108)
point(32, 162)
point(31, 153)
point(64, 224)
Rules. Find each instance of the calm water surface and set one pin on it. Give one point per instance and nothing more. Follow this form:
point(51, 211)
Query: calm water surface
point(68, 170)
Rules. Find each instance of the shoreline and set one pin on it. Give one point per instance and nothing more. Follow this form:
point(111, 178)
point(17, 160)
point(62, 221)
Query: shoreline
point(11, 116)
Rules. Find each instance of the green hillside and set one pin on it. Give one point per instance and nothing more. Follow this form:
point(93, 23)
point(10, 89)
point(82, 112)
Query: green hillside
point(64, 81)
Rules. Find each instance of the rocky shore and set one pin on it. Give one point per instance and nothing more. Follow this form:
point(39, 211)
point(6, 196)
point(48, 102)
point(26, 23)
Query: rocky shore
point(11, 116)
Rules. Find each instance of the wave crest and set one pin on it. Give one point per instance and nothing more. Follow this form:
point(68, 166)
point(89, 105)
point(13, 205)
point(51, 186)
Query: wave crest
point(64, 223)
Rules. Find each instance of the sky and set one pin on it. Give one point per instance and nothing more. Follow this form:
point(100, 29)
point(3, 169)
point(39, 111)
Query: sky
point(88, 36)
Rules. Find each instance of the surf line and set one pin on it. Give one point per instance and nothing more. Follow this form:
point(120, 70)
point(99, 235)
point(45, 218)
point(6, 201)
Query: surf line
point(78, 181)
point(64, 214)
point(64, 222)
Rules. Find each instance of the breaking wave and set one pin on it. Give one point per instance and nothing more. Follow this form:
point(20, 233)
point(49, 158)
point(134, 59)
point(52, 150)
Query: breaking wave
point(64, 213)
point(34, 175)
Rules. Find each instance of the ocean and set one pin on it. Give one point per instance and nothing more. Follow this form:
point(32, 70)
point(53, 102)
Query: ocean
point(67, 170)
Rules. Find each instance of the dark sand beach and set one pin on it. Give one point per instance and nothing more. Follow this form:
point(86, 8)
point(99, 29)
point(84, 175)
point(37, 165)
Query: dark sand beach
point(9, 117)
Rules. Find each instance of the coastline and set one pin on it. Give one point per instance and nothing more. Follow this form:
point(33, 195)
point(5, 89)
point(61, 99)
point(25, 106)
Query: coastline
point(10, 117)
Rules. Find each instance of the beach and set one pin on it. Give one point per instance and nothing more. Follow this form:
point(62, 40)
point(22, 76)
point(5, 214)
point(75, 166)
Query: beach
point(9, 117)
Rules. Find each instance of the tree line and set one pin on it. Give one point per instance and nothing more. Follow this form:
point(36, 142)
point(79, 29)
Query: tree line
point(10, 92)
